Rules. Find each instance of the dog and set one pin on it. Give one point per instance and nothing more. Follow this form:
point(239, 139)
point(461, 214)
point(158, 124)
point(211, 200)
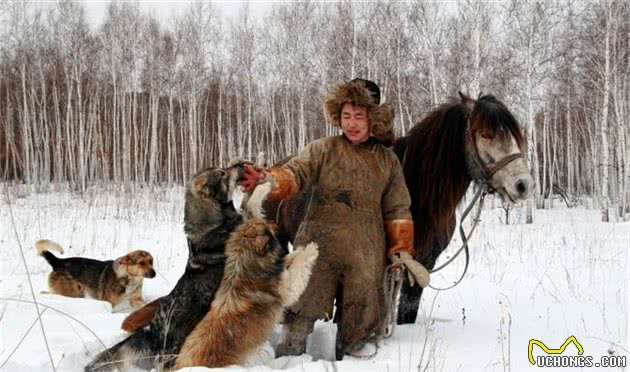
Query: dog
point(258, 282)
point(160, 328)
point(234, 171)
point(112, 281)
point(213, 227)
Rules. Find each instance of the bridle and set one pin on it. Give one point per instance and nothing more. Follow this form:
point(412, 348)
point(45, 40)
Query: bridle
point(483, 180)
point(486, 171)
point(392, 280)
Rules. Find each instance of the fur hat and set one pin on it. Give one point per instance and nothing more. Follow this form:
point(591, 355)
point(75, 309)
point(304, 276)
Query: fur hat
point(358, 93)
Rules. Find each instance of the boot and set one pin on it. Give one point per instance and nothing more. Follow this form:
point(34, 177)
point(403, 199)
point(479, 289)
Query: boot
point(364, 350)
point(295, 332)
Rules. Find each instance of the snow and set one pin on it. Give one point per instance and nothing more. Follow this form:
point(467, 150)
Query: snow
point(566, 274)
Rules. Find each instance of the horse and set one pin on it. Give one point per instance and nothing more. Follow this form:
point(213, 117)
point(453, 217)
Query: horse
point(458, 143)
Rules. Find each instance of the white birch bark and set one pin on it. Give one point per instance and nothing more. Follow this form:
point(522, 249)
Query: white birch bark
point(603, 126)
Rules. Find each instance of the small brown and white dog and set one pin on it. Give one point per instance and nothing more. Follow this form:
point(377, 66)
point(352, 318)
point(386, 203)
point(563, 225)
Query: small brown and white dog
point(112, 281)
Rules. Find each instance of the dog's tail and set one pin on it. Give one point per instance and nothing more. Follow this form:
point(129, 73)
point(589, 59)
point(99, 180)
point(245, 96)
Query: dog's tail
point(131, 353)
point(141, 317)
point(43, 248)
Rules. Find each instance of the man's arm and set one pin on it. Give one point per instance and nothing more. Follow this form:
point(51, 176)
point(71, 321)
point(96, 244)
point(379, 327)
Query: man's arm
point(287, 179)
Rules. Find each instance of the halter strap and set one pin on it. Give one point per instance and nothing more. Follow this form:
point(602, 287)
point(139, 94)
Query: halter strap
point(489, 170)
point(493, 168)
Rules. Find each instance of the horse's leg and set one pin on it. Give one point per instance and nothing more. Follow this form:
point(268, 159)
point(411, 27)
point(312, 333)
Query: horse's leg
point(410, 296)
point(409, 303)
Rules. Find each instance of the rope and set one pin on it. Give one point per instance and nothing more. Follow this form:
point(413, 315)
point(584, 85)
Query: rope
point(392, 282)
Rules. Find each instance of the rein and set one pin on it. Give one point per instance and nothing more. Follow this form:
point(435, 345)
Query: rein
point(484, 188)
point(393, 278)
point(481, 193)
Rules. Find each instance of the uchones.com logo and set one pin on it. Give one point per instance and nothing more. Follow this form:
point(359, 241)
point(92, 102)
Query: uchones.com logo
point(558, 357)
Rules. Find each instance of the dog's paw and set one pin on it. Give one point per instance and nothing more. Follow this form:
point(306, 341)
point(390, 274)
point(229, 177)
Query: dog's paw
point(298, 268)
point(309, 253)
point(303, 257)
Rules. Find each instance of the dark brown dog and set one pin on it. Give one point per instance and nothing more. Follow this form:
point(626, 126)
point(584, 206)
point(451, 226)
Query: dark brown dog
point(160, 328)
point(112, 281)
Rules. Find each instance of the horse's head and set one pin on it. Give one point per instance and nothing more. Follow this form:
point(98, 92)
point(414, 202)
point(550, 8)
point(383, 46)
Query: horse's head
point(494, 148)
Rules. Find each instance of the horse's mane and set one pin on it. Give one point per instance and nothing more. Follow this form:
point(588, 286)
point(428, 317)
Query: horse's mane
point(435, 170)
point(493, 115)
point(434, 163)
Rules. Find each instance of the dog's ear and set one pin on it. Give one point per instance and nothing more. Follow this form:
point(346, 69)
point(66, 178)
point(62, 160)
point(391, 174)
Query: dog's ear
point(201, 188)
point(238, 162)
point(208, 183)
point(125, 260)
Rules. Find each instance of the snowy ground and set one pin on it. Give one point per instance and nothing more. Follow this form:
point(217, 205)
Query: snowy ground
point(566, 274)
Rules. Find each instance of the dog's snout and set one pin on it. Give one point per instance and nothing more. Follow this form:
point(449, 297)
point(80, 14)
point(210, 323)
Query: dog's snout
point(150, 274)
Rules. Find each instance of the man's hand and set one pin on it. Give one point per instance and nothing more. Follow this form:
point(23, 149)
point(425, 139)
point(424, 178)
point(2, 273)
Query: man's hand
point(416, 272)
point(251, 178)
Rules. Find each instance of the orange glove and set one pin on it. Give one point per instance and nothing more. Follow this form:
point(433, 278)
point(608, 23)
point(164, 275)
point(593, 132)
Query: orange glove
point(401, 252)
point(251, 178)
point(399, 234)
point(284, 184)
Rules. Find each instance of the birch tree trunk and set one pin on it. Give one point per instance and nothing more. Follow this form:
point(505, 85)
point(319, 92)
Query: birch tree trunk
point(570, 159)
point(26, 140)
point(220, 141)
point(543, 188)
point(604, 118)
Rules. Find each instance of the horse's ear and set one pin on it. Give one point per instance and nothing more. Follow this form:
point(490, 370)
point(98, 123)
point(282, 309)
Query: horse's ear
point(465, 98)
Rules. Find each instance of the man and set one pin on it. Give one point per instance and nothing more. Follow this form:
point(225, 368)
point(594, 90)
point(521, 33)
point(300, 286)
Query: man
point(359, 215)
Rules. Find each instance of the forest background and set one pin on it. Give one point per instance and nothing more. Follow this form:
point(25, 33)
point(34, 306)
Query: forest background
point(138, 101)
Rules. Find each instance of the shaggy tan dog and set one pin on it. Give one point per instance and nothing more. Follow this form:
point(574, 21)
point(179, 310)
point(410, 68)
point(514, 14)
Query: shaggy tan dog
point(257, 283)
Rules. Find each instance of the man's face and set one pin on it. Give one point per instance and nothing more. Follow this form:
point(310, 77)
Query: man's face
point(355, 123)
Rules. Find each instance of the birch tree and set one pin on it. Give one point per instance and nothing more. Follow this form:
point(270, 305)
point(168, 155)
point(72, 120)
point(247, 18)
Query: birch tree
point(530, 26)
